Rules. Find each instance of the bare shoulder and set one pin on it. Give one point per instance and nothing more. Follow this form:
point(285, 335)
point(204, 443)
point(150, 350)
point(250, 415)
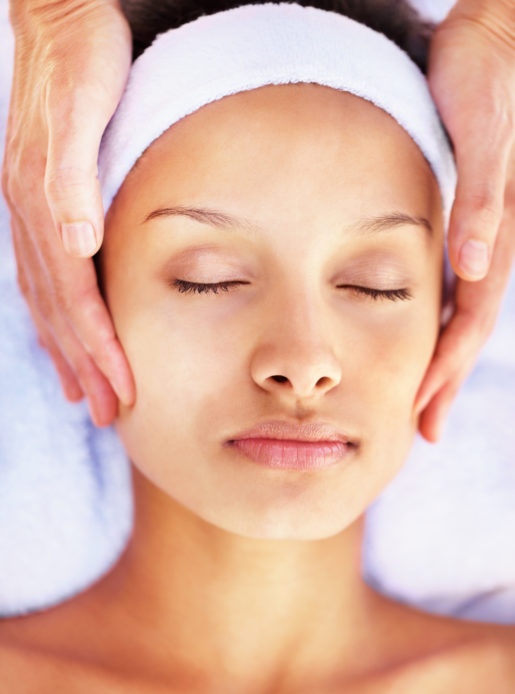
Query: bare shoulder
point(29, 670)
point(33, 662)
point(434, 653)
point(480, 661)
point(481, 665)
point(66, 649)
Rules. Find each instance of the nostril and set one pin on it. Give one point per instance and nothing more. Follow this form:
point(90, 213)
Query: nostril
point(280, 379)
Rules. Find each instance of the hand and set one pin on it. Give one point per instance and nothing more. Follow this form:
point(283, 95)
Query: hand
point(472, 78)
point(72, 59)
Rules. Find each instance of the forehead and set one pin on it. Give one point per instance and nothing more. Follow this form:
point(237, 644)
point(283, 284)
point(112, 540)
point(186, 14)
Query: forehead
point(294, 145)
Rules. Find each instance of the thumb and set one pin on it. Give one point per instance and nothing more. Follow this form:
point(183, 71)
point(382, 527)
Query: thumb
point(71, 183)
point(482, 163)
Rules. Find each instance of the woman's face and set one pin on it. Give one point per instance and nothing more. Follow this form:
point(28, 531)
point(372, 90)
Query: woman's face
point(305, 166)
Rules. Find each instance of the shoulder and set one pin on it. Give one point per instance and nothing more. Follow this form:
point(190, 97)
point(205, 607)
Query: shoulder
point(480, 660)
point(478, 666)
point(435, 653)
point(33, 659)
point(30, 670)
point(482, 665)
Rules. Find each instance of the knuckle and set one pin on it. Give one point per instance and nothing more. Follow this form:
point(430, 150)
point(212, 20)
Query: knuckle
point(63, 299)
point(22, 181)
point(58, 187)
point(45, 305)
point(485, 203)
point(65, 181)
point(63, 295)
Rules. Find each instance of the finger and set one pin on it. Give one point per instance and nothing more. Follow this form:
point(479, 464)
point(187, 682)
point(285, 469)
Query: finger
point(471, 81)
point(78, 298)
point(101, 397)
point(69, 382)
point(103, 402)
point(458, 344)
point(432, 420)
point(73, 284)
point(476, 311)
point(479, 202)
point(71, 185)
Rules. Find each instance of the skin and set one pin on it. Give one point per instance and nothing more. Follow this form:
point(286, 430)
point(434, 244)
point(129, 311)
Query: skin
point(220, 539)
point(471, 75)
point(254, 155)
point(71, 54)
point(219, 542)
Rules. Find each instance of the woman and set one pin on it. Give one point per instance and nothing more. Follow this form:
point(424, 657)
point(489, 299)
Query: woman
point(273, 262)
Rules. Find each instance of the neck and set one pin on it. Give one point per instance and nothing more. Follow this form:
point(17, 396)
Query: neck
point(251, 610)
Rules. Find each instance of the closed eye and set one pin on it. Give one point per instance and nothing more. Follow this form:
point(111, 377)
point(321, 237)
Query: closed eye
point(199, 288)
point(392, 294)
point(184, 286)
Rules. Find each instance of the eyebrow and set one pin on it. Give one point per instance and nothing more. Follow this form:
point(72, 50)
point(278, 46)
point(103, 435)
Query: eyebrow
point(223, 220)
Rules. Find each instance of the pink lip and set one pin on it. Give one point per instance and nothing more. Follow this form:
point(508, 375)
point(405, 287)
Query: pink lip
point(318, 431)
point(294, 455)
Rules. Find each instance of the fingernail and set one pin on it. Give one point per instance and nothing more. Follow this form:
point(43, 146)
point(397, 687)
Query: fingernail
point(122, 393)
point(79, 238)
point(474, 258)
point(423, 400)
point(420, 406)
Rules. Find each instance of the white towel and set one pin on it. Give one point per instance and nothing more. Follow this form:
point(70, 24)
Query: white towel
point(65, 496)
point(270, 43)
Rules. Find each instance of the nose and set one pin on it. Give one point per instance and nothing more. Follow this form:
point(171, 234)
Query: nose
point(295, 355)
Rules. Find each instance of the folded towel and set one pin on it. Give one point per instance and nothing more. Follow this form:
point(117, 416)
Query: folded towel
point(65, 494)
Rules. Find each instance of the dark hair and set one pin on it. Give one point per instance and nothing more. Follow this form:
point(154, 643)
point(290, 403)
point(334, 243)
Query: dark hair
point(396, 19)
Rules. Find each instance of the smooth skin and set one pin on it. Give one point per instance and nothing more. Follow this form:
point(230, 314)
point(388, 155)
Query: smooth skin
point(240, 578)
point(71, 63)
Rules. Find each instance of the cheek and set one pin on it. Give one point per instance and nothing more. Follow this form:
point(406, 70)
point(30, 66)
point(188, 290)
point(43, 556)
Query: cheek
point(179, 371)
point(396, 357)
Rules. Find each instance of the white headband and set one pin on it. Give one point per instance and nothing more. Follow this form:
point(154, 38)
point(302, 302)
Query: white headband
point(253, 45)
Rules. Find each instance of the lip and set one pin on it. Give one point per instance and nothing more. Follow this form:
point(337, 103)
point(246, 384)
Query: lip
point(283, 429)
point(293, 455)
point(288, 445)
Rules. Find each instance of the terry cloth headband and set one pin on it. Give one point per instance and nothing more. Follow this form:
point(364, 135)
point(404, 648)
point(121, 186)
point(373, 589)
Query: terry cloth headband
point(253, 45)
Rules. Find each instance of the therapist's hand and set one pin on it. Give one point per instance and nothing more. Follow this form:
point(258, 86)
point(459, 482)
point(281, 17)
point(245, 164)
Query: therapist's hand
point(472, 79)
point(72, 59)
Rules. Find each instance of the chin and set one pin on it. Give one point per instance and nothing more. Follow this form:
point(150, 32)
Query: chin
point(288, 524)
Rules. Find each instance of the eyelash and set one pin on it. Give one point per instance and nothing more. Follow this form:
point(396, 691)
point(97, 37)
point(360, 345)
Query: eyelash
point(199, 288)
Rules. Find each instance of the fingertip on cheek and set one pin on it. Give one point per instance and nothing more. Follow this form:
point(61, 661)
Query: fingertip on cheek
point(124, 410)
point(419, 405)
point(123, 392)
